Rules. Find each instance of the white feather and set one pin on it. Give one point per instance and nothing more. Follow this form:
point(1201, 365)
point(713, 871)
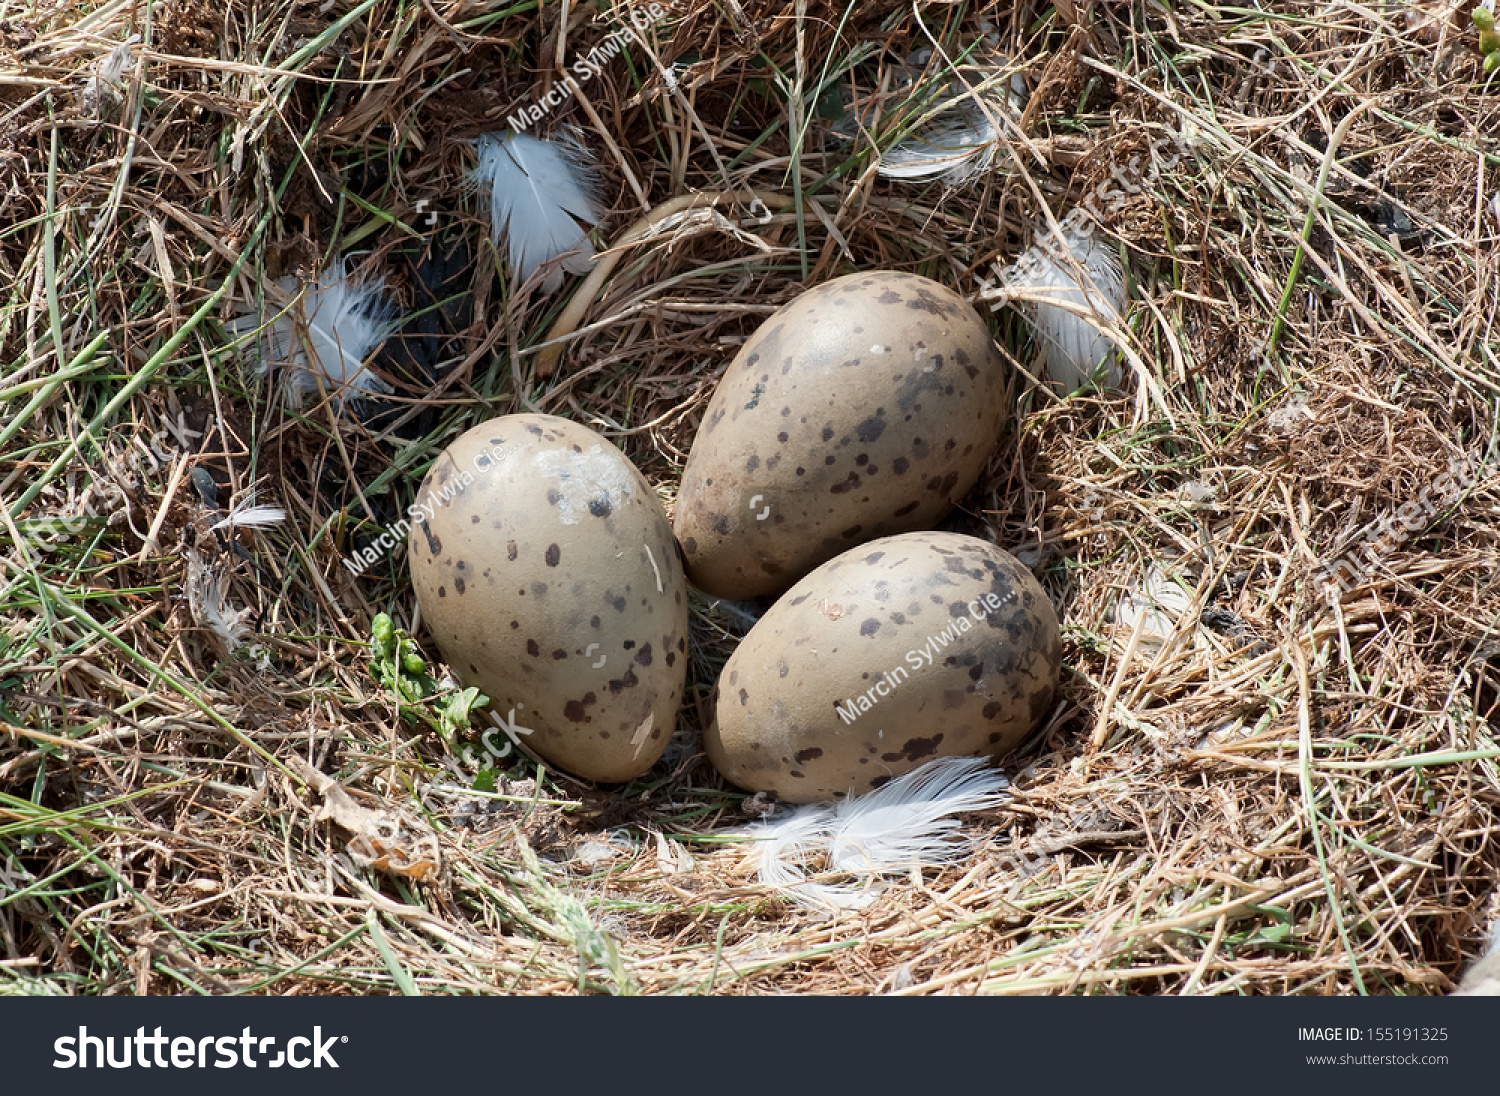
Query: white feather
point(906, 823)
point(207, 593)
point(962, 141)
point(109, 74)
point(250, 516)
point(956, 147)
point(1483, 978)
point(788, 842)
point(1074, 288)
point(538, 193)
point(901, 827)
point(322, 340)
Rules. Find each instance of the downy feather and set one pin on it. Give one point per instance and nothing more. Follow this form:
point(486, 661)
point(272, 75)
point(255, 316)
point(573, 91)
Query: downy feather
point(1483, 978)
point(322, 341)
point(208, 601)
point(906, 823)
point(955, 147)
point(902, 826)
point(962, 141)
point(249, 516)
point(1074, 287)
point(538, 192)
point(785, 844)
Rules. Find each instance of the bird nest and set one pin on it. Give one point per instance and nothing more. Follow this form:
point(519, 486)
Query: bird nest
point(1271, 767)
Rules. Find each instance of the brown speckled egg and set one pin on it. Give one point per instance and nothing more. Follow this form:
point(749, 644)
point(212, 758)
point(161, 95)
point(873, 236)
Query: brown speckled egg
point(546, 571)
point(867, 406)
point(901, 650)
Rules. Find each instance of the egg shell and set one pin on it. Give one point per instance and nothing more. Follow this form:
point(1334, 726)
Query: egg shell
point(866, 407)
point(901, 650)
point(546, 570)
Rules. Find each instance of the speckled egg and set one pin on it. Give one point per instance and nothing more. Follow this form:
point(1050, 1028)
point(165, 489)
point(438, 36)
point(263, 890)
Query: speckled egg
point(867, 406)
point(901, 650)
point(546, 571)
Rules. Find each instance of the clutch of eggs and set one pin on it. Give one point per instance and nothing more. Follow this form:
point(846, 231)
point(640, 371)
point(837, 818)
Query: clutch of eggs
point(867, 406)
point(546, 570)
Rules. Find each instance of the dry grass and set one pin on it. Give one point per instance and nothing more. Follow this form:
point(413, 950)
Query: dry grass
point(1297, 796)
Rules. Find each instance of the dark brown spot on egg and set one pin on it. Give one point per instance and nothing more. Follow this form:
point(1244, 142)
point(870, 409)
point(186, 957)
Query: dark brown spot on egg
point(907, 509)
point(869, 627)
point(643, 656)
point(532, 649)
point(554, 555)
point(459, 585)
point(600, 507)
point(628, 681)
point(915, 749)
point(720, 524)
